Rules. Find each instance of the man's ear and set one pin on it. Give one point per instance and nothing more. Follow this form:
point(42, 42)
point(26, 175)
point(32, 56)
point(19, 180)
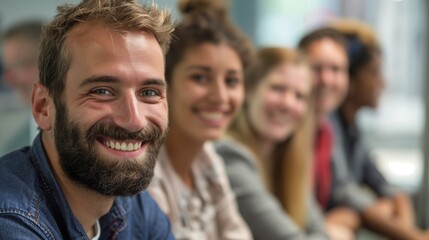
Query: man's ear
point(42, 106)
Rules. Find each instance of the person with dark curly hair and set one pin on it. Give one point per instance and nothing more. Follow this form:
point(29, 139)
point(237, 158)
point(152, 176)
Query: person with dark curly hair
point(383, 208)
point(205, 73)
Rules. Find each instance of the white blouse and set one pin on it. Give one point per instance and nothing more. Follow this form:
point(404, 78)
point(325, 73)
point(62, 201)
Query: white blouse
point(207, 212)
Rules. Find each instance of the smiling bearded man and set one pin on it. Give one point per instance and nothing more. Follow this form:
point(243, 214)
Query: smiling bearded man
point(101, 107)
point(83, 164)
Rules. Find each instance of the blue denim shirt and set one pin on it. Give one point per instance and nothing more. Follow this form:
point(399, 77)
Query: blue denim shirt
point(32, 205)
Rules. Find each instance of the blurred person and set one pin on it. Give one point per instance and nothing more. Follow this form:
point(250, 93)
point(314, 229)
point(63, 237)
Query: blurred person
point(20, 45)
point(267, 151)
point(348, 207)
point(391, 212)
point(205, 91)
point(102, 112)
point(326, 51)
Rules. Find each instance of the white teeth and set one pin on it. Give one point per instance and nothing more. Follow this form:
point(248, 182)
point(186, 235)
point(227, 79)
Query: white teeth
point(130, 147)
point(123, 146)
point(212, 116)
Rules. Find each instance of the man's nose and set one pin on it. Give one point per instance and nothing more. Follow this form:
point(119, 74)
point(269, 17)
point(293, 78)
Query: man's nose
point(130, 113)
point(325, 76)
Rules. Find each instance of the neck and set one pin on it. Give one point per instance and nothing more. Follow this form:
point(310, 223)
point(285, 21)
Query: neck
point(87, 205)
point(349, 110)
point(321, 119)
point(267, 148)
point(183, 150)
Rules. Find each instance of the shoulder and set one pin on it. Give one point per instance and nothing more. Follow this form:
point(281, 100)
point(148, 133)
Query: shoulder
point(234, 153)
point(14, 222)
point(150, 207)
point(240, 163)
point(15, 163)
point(212, 158)
point(335, 124)
point(23, 201)
point(19, 183)
point(231, 159)
point(241, 168)
point(147, 217)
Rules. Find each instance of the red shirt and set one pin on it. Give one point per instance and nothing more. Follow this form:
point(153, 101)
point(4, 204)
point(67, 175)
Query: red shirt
point(322, 164)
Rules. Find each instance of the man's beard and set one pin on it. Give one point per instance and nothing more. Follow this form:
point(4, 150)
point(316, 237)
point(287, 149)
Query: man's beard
point(111, 177)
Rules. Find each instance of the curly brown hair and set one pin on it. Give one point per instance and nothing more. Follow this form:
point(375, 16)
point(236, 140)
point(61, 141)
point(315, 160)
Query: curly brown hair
point(206, 21)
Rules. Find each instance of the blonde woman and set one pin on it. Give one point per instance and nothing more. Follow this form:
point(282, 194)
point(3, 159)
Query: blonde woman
point(268, 149)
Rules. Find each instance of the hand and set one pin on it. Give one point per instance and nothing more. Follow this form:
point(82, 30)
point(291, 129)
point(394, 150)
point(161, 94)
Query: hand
point(339, 232)
point(344, 216)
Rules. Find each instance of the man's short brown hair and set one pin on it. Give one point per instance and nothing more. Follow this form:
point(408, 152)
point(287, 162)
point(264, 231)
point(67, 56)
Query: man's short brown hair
point(322, 33)
point(120, 15)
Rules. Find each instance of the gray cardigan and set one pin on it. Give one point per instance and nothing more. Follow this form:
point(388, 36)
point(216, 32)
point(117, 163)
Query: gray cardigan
point(259, 208)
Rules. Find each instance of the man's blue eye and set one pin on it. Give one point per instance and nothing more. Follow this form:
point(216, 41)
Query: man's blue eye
point(101, 91)
point(149, 93)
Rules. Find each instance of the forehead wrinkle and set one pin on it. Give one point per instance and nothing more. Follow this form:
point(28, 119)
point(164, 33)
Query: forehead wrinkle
point(82, 33)
point(120, 44)
point(111, 40)
point(112, 31)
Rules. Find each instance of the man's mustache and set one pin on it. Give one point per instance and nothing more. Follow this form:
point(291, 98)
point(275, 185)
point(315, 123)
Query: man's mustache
point(150, 134)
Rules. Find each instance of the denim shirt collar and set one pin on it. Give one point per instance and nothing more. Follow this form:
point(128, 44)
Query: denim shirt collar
point(68, 224)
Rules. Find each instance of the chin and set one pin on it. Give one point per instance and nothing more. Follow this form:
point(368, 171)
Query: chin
point(213, 136)
point(281, 138)
point(324, 106)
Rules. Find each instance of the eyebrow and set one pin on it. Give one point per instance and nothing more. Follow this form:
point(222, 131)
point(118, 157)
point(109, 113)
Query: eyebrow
point(235, 71)
point(208, 69)
point(204, 68)
point(113, 79)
